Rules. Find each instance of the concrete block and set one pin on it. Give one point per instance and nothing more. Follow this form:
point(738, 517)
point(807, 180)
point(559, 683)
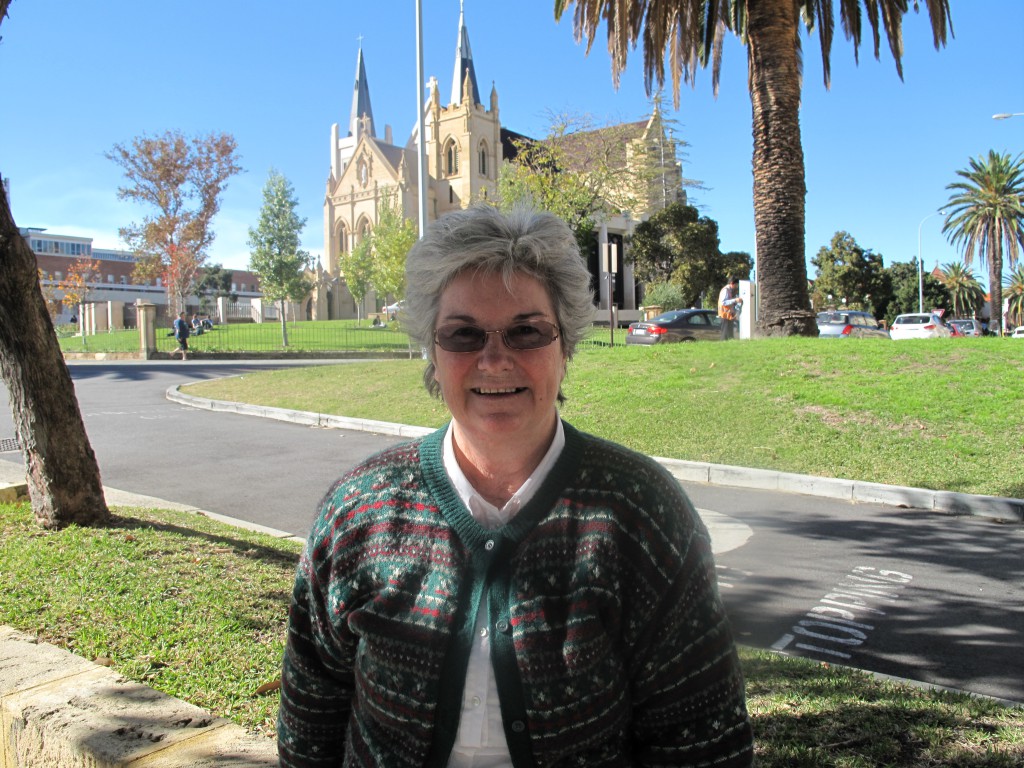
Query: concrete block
point(686, 471)
point(811, 485)
point(25, 662)
point(763, 479)
point(894, 495)
point(997, 507)
point(12, 492)
point(95, 719)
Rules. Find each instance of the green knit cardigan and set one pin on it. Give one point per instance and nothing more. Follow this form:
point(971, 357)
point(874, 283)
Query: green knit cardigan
point(609, 642)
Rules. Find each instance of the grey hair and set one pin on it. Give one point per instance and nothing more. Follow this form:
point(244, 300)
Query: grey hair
point(483, 239)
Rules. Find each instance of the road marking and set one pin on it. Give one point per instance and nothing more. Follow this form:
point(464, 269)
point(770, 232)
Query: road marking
point(837, 619)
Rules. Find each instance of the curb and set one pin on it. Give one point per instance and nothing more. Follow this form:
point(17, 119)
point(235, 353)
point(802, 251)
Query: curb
point(1001, 509)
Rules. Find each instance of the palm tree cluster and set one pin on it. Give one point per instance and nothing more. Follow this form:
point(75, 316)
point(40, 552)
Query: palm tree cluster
point(965, 292)
point(985, 216)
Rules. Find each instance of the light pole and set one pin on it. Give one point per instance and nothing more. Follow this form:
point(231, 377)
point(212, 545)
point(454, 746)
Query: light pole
point(920, 262)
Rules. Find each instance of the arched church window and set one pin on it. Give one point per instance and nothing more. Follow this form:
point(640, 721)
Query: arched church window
point(482, 158)
point(451, 158)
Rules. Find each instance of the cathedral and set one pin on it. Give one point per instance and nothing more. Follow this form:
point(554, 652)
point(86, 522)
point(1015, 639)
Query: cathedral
point(465, 146)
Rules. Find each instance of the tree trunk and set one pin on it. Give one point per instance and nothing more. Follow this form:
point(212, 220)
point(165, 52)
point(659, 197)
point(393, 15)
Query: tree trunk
point(284, 327)
point(995, 292)
point(779, 189)
point(63, 476)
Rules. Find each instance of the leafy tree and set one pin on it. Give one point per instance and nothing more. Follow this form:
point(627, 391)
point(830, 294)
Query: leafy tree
point(75, 286)
point(276, 257)
point(902, 296)
point(964, 291)
point(690, 33)
point(679, 245)
point(847, 271)
point(665, 295)
point(357, 268)
point(168, 173)
point(390, 242)
point(1015, 295)
point(985, 214)
point(62, 475)
point(214, 282)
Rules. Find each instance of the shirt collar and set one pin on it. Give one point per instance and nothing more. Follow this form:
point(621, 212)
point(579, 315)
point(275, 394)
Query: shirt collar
point(485, 513)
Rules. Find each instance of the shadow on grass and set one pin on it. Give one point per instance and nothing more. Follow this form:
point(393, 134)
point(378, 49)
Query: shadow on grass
point(248, 549)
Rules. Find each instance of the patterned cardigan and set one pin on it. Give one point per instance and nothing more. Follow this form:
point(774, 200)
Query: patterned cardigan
point(609, 642)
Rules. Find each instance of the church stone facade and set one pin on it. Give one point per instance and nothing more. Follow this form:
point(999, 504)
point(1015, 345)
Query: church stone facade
point(465, 146)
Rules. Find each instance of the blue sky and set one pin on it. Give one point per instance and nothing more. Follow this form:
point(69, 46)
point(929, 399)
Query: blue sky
point(80, 77)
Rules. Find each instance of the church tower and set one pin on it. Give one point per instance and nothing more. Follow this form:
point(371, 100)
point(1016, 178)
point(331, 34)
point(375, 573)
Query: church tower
point(464, 148)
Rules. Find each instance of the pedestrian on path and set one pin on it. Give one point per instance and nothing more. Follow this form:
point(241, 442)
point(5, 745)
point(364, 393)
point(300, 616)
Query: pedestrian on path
point(507, 590)
point(181, 334)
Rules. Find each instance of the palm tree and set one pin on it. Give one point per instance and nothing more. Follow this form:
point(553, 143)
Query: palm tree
point(1015, 290)
point(963, 288)
point(691, 33)
point(985, 213)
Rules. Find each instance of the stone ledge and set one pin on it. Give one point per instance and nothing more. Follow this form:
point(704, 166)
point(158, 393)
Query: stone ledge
point(12, 492)
point(58, 709)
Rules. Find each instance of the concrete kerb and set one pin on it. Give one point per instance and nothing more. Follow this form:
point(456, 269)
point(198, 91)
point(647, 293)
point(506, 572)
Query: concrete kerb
point(1006, 510)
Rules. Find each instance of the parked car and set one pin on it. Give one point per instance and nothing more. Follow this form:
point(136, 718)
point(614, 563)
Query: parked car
point(967, 327)
point(845, 324)
point(1018, 332)
point(919, 325)
point(677, 325)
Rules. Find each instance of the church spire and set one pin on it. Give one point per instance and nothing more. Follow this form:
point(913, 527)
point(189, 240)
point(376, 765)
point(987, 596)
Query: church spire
point(463, 64)
point(361, 119)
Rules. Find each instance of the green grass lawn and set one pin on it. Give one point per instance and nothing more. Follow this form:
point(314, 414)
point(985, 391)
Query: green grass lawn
point(197, 609)
point(945, 414)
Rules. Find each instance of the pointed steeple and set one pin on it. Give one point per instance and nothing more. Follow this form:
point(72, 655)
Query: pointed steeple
point(361, 119)
point(463, 64)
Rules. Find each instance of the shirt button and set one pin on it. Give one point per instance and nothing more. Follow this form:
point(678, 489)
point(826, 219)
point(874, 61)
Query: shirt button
point(518, 726)
point(483, 631)
point(476, 701)
point(489, 545)
point(502, 626)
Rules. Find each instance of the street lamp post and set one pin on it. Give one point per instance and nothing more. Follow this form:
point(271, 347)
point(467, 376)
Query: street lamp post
point(920, 262)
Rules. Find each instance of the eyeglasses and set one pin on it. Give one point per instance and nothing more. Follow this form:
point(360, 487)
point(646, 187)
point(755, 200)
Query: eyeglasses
point(459, 337)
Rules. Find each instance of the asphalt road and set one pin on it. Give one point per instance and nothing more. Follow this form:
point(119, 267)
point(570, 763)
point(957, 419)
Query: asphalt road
point(907, 593)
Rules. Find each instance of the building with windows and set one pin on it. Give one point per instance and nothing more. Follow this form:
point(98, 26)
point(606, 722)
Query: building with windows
point(112, 281)
point(465, 145)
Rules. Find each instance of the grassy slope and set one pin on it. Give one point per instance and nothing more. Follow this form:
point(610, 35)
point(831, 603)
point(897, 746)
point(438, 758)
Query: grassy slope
point(946, 414)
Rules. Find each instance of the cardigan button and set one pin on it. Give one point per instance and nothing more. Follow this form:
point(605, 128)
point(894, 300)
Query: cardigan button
point(518, 726)
point(489, 545)
point(502, 626)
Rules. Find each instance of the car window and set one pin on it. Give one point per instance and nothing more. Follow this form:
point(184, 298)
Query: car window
point(698, 320)
point(912, 319)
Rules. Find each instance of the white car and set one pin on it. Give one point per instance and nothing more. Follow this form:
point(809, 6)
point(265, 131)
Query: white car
point(1018, 332)
point(918, 325)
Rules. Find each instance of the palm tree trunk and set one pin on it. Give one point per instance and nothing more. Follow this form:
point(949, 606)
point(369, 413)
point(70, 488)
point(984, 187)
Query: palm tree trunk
point(779, 190)
point(63, 476)
point(995, 291)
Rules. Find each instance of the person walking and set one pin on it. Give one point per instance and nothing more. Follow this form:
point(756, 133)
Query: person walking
point(729, 307)
point(182, 330)
point(508, 590)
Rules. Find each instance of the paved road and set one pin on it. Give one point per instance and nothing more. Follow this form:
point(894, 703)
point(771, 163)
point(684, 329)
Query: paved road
point(907, 593)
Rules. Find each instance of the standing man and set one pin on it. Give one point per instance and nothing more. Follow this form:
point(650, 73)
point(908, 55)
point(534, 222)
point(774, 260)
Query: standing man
point(729, 306)
point(181, 334)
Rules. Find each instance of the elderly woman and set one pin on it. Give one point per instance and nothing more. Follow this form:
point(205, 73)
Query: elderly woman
point(507, 591)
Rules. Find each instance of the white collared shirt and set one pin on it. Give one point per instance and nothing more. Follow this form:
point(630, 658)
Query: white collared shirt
point(480, 742)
